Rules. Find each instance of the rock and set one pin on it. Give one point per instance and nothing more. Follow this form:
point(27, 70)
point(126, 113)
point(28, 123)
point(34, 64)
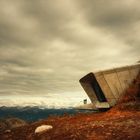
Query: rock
point(3, 125)
point(43, 128)
point(8, 131)
point(10, 123)
point(15, 122)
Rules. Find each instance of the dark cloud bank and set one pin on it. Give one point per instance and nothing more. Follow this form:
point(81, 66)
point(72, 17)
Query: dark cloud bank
point(46, 46)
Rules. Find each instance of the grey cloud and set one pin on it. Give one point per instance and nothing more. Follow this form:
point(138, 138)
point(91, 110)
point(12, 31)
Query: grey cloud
point(31, 21)
point(117, 17)
point(111, 14)
point(46, 46)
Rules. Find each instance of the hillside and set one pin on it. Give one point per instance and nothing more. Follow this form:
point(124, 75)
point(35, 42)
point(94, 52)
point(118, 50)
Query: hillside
point(120, 122)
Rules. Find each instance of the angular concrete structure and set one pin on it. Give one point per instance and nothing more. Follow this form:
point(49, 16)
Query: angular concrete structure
point(104, 88)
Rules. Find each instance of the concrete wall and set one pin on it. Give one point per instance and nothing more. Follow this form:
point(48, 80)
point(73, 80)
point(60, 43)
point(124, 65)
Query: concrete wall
point(88, 89)
point(86, 84)
point(105, 88)
point(112, 82)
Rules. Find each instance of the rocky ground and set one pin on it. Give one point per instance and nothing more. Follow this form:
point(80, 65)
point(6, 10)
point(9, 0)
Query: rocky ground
point(122, 122)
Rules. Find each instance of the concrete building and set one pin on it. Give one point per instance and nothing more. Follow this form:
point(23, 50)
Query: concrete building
point(104, 88)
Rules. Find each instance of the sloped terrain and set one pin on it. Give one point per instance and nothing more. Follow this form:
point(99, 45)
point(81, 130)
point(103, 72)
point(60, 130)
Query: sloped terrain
point(119, 123)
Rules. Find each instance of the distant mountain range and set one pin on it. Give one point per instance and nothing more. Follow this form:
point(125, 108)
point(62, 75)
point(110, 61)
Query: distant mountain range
point(35, 113)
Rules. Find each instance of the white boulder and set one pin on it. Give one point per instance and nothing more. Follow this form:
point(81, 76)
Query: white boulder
point(43, 128)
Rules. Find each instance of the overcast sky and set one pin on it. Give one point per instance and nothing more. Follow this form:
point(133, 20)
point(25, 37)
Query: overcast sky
point(46, 46)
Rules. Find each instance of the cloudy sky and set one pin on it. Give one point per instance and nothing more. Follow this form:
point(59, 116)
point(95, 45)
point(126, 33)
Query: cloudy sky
point(46, 46)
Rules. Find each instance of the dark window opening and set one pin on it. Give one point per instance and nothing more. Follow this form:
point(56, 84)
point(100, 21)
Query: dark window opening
point(91, 79)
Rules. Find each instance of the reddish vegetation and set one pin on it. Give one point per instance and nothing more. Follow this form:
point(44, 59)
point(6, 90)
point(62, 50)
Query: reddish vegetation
point(119, 123)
